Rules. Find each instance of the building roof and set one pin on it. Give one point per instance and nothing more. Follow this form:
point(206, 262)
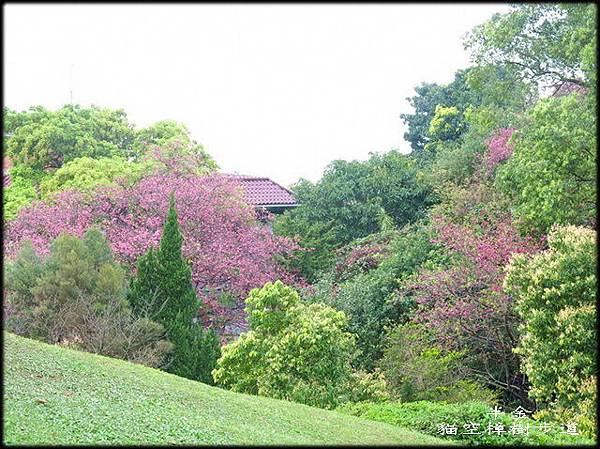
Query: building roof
point(260, 191)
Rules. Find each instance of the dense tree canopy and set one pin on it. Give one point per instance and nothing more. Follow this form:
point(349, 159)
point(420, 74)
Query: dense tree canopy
point(428, 97)
point(464, 269)
point(83, 148)
point(449, 117)
point(43, 139)
point(461, 299)
point(547, 43)
point(551, 175)
point(20, 191)
point(173, 138)
point(293, 351)
point(363, 281)
point(86, 173)
point(355, 199)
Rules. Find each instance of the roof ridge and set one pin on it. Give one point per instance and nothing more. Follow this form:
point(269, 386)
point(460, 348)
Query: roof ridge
point(262, 189)
point(284, 188)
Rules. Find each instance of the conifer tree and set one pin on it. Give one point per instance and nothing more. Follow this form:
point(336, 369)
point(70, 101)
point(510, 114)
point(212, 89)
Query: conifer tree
point(163, 290)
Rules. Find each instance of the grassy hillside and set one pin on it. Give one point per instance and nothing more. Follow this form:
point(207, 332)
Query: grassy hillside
point(59, 396)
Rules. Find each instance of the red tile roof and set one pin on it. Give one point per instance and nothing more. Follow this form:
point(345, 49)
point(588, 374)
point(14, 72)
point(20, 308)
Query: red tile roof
point(264, 192)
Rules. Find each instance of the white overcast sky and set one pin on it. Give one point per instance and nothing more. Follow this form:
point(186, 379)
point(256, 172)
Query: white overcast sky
point(273, 90)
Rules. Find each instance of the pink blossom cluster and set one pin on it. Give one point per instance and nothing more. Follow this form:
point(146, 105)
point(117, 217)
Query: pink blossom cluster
point(498, 148)
point(465, 302)
point(486, 242)
point(228, 249)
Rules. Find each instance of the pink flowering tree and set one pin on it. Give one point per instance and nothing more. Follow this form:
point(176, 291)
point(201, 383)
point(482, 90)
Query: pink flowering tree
point(229, 251)
point(499, 149)
point(463, 301)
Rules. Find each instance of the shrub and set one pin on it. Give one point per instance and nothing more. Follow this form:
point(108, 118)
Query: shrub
point(555, 295)
point(416, 369)
point(76, 296)
point(367, 387)
point(427, 417)
point(163, 290)
point(293, 351)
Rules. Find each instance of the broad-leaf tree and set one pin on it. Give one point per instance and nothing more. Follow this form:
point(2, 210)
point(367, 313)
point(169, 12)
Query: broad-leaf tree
point(546, 43)
point(353, 200)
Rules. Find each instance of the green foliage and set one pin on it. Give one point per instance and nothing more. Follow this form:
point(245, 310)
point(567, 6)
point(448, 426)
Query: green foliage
point(161, 133)
point(452, 165)
point(447, 123)
point(417, 369)
point(367, 387)
point(551, 176)
point(53, 395)
point(556, 298)
point(493, 82)
point(42, 139)
point(76, 296)
point(427, 417)
point(293, 351)
point(85, 173)
point(12, 120)
point(163, 290)
point(450, 123)
point(546, 43)
point(349, 200)
point(82, 148)
point(456, 94)
point(365, 300)
point(22, 190)
point(317, 242)
point(196, 351)
point(364, 280)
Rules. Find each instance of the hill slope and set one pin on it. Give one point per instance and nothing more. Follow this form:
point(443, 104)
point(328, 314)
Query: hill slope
point(60, 396)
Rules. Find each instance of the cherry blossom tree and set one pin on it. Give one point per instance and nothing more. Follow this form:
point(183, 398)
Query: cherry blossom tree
point(463, 301)
point(229, 251)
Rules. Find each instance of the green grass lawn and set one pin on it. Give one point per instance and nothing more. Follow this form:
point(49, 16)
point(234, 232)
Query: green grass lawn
point(54, 395)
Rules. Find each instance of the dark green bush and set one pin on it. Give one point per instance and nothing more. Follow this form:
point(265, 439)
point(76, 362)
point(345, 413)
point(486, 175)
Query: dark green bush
point(163, 291)
point(427, 417)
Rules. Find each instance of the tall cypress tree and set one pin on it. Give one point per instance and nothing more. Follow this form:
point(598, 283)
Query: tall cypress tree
point(163, 290)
